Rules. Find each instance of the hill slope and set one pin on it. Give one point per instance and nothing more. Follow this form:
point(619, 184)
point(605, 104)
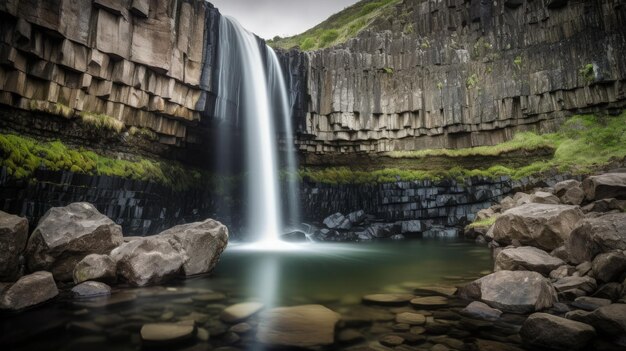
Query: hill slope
point(337, 28)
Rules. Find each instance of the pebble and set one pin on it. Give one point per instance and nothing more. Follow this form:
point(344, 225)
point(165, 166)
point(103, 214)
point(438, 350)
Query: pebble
point(411, 318)
point(166, 332)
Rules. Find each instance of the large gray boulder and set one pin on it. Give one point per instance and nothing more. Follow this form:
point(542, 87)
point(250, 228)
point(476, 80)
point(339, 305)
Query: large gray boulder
point(202, 243)
point(310, 326)
point(609, 267)
point(13, 238)
point(512, 291)
point(605, 186)
point(539, 225)
point(149, 261)
point(100, 268)
point(65, 235)
point(527, 258)
point(28, 291)
point(547, 331)
point(593, 236)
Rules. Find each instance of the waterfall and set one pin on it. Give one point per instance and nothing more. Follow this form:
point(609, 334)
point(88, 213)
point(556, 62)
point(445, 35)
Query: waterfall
point(252, 94)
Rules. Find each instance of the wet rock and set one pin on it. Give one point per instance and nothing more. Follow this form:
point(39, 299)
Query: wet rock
point(241, 328)
point(148, 261)
point(13, 238)
point(512, 291)
point(609, 267)
point(411, 318)
point(539, 225)
point(527, 258)
point(65, 235)
point(337, 221)
point(481, 310)
point(609, 185)
point(294, 237)
point(429, 302)
point(28, 291)
point(202, 244)
point(391, 340)
point(593, 236)
point(590, 303)
point(545, 330)
point(307, 326)
point(363, 315)
point(241, 312)
point(357, 217)
point(91, 289)
point(586, 284)
point(387, 299)
point(167, 333)
point(101, 268)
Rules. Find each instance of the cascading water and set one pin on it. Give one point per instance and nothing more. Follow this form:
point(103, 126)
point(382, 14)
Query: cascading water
point(249, 81)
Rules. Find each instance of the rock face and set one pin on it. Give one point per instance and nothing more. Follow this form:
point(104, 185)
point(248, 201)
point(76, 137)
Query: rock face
point(148, 261)
point(527, 258)
point(94, 267)
point(593, 236)
point(308, 326)
point(65, 235)
point(13, 238)
point(605, 186)
point(30, 290)
point(539, 225)
point(545, 330)
point(202, 242)
point(513, 291)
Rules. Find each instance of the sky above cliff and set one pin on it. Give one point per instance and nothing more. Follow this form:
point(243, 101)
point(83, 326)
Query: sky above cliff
point(268, 18)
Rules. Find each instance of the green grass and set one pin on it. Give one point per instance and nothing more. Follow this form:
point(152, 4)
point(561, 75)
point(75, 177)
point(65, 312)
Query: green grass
point(338, 28)
point(487, 222)
point(22, 156)
point(582, 144)
point(102, 122)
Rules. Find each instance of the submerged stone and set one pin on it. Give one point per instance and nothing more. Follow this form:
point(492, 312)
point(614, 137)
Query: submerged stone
point(241, 311)
point(166, 333)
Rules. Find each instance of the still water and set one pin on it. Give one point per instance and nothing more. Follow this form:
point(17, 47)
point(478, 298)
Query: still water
point(334, 275)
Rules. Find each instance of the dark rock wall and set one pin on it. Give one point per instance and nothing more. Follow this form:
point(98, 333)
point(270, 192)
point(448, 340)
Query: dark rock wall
point(463, 73)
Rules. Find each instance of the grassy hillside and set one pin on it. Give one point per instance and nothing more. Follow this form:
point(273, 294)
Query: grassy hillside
point(338, 28)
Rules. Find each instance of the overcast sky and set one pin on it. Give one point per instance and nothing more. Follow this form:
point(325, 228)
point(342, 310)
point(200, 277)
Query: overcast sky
point(268, 18)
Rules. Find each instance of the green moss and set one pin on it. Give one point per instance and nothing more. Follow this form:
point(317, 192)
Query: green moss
point(144, 133)
point(581, 145)
point(587, 72)
point(388, 70)
point(102, 122)
point(22, 156)
point(471, 81)
point(518, 62)
point(487, 222)
point(338, 28)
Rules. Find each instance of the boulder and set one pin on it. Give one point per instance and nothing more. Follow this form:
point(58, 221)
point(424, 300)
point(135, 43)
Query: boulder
point(593, 236)
point(88, 290)
point(574, 196)
point(65, 235)
point(337, 221)
point(309, 326)
point(202, 244)
point(609, 320)
point(610, 291)
point(512, 291)
point(148, 261)
point(101, 268)
point(605, 186)
point(542, 197)
point(481, 310)
point(28, 291)
point(539, 225)
point(562, 272)
point(507, 203)
point(562, 187)
point(527, 258)
point(543, 330)
point(586, 284)
point(609, 267)
point(414, 226)
point(13, 238)
point(241, 311)
point(357, 217)
point(590, 303)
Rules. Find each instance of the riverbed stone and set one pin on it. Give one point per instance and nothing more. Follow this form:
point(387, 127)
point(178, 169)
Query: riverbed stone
point(610, 291)
point(65, 235)
point(411, 318)
point(562, 272)
point(241, 311)
point(387, 299)
point(608, 320)
point(30, 290)
point(429, 302)
point(91, 289)
point(604, 186)
point(95, 267)
point(527, 258)
point(512, 291)
point(202, 244)
point(148, 261)
point(586, 284)
point(167, 333)
point(590, 303)
point(13, 238)
point(545, 330)
point(609, 267)
point(391, 340)
point(593, 236)
point(307, 326)
point(539, 225)
point(481, 310)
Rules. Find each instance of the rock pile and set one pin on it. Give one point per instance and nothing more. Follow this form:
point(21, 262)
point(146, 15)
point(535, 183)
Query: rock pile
point(77, 243)
point(560, 254)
